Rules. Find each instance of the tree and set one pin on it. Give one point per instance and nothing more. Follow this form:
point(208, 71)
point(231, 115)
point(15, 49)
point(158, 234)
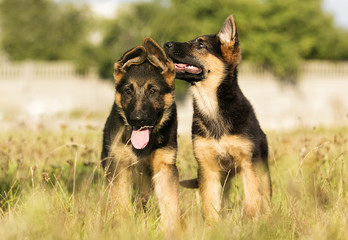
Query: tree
point(42, 29)
point(277, 34)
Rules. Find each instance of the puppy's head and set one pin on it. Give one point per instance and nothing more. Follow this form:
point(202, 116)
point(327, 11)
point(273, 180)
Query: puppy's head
point(144, 80)
point(195, 60)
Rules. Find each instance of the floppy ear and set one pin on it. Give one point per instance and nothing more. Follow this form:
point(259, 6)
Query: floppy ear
point(157, 56)
point(133, 56)
point(229, 40)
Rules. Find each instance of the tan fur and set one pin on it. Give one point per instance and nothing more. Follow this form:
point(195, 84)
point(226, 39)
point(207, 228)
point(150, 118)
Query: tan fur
point(169, 76)
point(162, 156)
point(117, 76)
point(221, 153)
point(154, 168)
point(118, 98)
point(238, 149)
point(207, 102)
point(119, 172)
point(209, 181)
point(233, 57)
point(168, 100)
point(229, 47)
point(166, 181)
point(256, 189)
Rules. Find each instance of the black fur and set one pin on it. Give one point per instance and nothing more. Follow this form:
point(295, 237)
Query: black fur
point(140, 134)
point(159, 137)
point(234, 116)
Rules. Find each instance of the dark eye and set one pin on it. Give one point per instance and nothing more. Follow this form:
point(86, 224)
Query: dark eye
point(201, 43)
point(153, 90)
point(128, 91)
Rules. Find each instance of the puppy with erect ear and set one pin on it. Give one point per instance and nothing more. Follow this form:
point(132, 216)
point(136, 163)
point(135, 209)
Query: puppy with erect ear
point(229, 41)
point(226, 135)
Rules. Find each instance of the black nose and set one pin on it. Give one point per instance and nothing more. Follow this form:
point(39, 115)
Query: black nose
point(168, 45)
point(138, 118)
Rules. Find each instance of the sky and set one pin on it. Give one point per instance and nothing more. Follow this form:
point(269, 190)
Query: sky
point(106, 8)
point(339, 8)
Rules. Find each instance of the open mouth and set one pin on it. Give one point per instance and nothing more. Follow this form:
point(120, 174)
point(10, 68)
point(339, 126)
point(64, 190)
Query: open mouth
point(141, 137)
point(189, 68)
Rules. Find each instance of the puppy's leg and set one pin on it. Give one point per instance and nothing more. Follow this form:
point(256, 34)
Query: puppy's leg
point(119, 175)
point(209, 178)
point(166, 183)
point(120, 187)
point(211, 189)
point(262, 172)
point(257, 189)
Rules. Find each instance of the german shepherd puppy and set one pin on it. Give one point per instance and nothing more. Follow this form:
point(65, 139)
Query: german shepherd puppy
point(140, 134)
point(227, 138)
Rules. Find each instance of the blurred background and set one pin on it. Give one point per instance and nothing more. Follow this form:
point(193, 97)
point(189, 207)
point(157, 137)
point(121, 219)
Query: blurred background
point(56, 57)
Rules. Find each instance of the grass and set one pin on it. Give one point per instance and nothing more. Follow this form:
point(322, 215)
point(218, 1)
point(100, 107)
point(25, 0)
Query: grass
point(52, 187)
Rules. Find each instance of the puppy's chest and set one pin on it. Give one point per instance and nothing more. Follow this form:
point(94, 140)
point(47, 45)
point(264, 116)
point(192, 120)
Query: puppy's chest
point(122, 151)
point(229, 151)
point(206, 100)
point(207, 105)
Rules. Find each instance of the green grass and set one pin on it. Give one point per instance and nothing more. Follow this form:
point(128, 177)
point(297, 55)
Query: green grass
point(52, 187)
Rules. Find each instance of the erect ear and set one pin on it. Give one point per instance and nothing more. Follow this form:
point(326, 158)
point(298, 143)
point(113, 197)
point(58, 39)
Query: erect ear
point(133, 56)
point(229, 40)
point(228, 33)
point(158, 58)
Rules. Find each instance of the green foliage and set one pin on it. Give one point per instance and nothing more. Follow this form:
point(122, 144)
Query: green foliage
point(42, 29)
point(275, 34)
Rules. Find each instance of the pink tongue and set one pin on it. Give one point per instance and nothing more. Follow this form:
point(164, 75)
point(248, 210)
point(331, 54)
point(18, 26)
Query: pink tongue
point(183, 67)
point(140, 138)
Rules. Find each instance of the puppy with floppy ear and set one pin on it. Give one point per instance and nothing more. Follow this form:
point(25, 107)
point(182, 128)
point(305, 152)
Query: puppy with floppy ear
point(158, 57)
point(136, 55)
point(140, 134)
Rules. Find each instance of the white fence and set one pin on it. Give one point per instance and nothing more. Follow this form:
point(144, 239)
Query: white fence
point(309, 69)
point(42, 71)
point(66, 71)
point(33, 91)
point(324, 69)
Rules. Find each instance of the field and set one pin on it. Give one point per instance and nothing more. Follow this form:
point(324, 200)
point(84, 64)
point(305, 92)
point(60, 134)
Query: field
point(51, 187)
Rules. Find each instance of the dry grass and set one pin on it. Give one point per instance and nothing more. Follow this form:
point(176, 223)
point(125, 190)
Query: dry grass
point(51, 187)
